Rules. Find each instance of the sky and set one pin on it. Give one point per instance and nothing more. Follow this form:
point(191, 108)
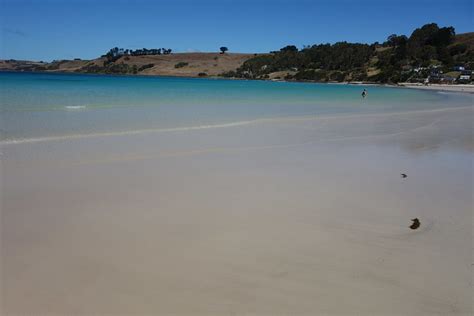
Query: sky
point(65, 29)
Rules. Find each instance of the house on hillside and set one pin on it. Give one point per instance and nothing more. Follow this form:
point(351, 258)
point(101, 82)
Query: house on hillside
point(435, 76)
point(419, 69)
point(447, 80)
point(465, 76)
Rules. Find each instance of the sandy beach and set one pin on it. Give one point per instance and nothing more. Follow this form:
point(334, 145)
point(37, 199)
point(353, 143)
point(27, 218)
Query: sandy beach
point(236, 158)
point(297, 216)
point(466, 88)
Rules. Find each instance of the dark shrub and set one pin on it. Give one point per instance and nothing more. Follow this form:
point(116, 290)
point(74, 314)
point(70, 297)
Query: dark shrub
point(181, 64)
point(146, 67)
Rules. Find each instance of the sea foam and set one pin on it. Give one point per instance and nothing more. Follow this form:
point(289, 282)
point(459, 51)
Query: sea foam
point(75, 107)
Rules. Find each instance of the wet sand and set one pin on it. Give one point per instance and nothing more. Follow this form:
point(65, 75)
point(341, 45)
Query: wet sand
point(297, 216)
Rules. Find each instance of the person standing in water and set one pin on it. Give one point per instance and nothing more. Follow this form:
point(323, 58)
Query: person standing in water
point(364, 93)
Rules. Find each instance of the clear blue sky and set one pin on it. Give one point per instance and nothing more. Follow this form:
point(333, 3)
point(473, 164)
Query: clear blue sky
point(58, 29)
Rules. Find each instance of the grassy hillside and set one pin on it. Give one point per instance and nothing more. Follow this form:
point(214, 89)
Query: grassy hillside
point(466, 39)
point(399, 59)
point(179, 64)
point(21, 65)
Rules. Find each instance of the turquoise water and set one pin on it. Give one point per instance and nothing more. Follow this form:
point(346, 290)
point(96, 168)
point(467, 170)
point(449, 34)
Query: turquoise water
point(35, 105)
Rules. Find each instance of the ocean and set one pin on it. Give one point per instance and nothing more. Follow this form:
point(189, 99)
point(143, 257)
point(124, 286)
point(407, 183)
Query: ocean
point(40, 106)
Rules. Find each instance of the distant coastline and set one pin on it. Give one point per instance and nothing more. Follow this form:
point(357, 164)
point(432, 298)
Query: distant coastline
point(457, 88)
point(432, 57)
point(176, 65)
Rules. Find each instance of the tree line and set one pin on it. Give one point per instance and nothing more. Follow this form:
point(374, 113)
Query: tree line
point(118, 52)
point(391, 61)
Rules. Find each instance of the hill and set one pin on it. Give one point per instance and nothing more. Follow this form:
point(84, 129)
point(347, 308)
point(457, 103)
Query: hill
point(178, 64)
point(428, 51)
point(466, 39)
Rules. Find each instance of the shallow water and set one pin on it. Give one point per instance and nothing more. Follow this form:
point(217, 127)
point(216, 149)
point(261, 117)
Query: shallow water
point(41, 106)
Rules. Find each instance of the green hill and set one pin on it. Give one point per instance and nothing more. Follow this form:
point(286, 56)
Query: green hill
point(400, 58)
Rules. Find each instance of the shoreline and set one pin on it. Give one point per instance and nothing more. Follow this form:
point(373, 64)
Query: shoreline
point(464, 88)
point(460, 88)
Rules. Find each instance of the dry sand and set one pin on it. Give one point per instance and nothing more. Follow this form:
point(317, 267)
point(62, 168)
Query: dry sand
point(468, 88)
point(291, 217)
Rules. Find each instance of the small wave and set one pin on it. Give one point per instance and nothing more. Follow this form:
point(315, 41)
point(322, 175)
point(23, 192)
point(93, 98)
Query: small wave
point(125, 133)
point(75, 107)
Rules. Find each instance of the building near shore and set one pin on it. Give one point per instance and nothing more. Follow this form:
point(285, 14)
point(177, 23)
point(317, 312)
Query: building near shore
point(465, 76)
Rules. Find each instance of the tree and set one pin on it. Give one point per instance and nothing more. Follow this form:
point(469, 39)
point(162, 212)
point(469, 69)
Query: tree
point(223, 49)
point(395, 40)
point(289, 48)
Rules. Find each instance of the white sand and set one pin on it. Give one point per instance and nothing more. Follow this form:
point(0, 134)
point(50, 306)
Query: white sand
point(466, 88)
point(290, 217)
